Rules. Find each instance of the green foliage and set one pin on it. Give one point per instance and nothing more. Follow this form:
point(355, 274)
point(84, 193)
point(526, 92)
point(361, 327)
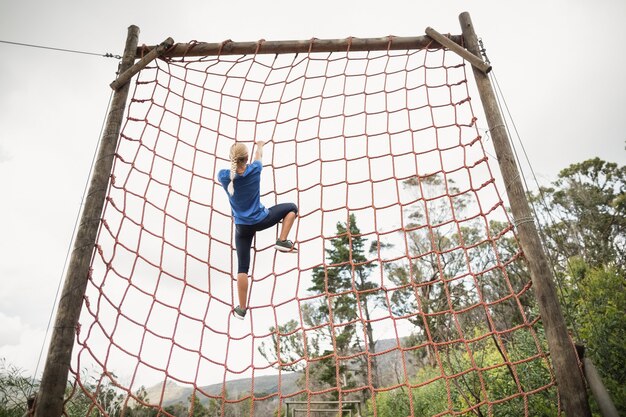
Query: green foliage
point(390, 403)
point(464, 390)
point(210, 407)
point(199, 410)
point(432, 259)
point(178, 410)
point(15, 389)
point(428, 399)
point(454, 263)
point(286, 348)
point(583, 216)
point(98, 395)
point(344, 279)
point(583, 221)
point(600, 299)
point(346, 263)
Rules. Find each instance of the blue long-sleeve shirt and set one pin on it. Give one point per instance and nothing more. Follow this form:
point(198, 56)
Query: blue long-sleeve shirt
point(245, 202)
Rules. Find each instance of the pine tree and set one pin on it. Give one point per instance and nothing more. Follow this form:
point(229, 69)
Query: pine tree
point(344, 314)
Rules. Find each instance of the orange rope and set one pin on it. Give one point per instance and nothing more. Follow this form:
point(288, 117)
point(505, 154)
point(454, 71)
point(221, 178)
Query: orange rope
point(347, 131)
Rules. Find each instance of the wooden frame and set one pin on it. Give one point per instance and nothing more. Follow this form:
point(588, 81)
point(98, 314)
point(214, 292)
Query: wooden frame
point(291, 46)
point(570, 382)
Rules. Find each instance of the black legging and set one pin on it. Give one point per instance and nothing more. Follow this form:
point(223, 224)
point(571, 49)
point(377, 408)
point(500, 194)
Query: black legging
point(244, 233)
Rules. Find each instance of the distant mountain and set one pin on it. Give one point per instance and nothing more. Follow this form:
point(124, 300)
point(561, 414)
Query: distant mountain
point(389, 365)
point(236, 388)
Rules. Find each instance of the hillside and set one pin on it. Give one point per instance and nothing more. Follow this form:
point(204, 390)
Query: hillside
point(388, 364)
point(235, 388)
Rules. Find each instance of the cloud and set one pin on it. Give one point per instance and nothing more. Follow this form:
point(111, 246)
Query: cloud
point(20, 344)
point(10, 328)
point(4, 155)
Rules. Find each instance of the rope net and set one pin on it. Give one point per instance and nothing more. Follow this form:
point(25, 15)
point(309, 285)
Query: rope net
point(408, 296)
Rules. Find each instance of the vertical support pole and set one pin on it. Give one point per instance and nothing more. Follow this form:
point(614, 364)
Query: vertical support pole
point(605, 404)
point(54, 379)
point(562, 353)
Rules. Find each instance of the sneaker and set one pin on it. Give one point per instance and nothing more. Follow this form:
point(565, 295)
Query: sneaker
point(239, 312)
point(285, 246)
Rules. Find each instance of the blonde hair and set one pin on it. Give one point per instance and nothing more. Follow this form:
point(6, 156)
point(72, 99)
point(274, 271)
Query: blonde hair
point(238, 157)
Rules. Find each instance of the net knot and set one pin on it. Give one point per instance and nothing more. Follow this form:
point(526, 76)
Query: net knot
point(143, 48)
point(225, 45)
point(311, 42)
point(347, 153)
point(390, 39)
point(259, 44)
point(350, 38)
point(190, 46)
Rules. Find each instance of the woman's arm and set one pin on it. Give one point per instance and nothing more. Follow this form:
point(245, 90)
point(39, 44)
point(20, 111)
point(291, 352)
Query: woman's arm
point(258, 155)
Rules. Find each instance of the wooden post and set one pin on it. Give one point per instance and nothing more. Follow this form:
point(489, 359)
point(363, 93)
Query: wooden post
point(607, 408)
point(54, 379)
point(458, 49)
point(562, 353)
point(125, 76)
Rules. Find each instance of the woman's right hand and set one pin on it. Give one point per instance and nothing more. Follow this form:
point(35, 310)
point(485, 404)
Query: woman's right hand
point(259, 150)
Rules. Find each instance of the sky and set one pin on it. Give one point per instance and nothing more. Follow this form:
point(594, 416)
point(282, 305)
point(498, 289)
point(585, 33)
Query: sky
point(559, 64)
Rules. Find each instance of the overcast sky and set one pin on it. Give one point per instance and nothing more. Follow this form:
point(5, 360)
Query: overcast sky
point(560, 65)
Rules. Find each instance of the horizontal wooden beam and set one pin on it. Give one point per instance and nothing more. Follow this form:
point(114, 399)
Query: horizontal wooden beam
point(313, 45)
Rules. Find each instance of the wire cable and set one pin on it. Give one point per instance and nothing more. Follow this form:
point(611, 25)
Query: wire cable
point(105, 55)
point(69, 246)
point(503, 106)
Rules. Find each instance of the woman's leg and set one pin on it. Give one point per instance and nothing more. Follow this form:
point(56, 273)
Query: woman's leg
point(243, 243)
point(287, 212)
point(287, 223)
point(242, 289)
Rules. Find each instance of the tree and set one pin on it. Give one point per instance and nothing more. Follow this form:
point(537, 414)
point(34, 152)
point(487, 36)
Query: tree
point(350, 298)
point(451, 391)
point(93, 397)
point(583, 214)
point(583, 222)
point(287, 349)
point(454, 260)
point(459, 284)
point(99, 395)
point(137, 407)
point(178, 410)
point(431, 258)
point(15, 389)
point(199, 410)
point(600, 297)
